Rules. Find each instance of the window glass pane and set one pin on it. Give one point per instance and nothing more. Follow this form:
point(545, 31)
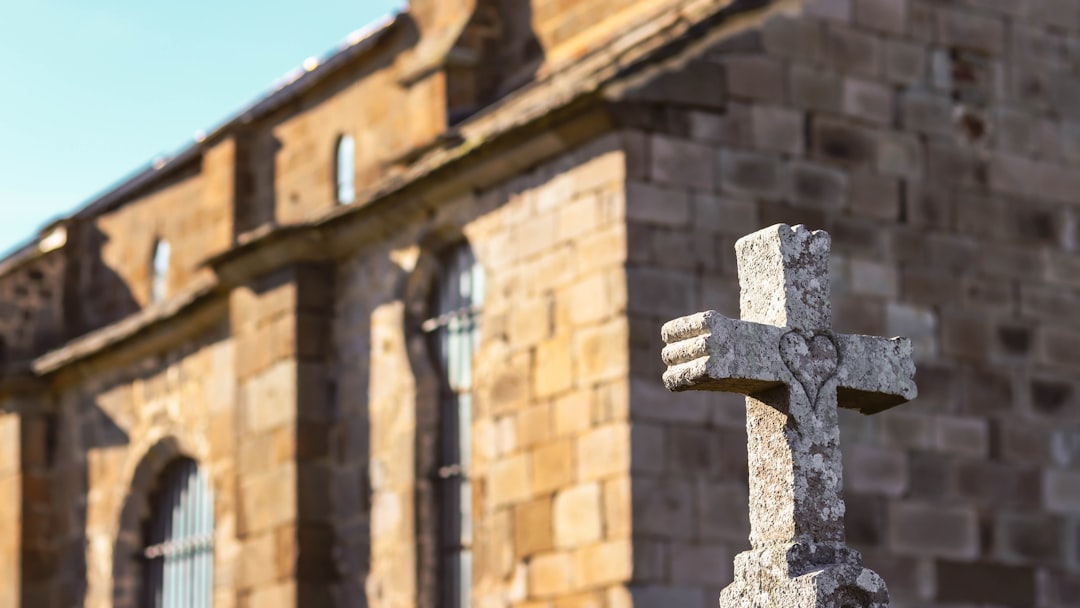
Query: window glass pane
point(159, 278)
point(454, 325)
point(179, 553)
point(346, 170)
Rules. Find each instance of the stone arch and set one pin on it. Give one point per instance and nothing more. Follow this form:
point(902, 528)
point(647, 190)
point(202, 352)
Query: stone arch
point(127, 548)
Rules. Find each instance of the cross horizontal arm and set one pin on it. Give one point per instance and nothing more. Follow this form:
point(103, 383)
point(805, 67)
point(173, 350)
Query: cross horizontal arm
point(708, 351)
point(875, 373)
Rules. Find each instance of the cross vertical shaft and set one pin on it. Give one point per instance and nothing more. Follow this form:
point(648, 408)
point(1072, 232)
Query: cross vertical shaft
point(793, 430)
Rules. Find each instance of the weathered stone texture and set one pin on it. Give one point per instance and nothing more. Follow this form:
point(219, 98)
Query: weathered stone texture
point(11, 507)
point(552, 448)
point(950, 131)
point(783, 355)
point(937, 142)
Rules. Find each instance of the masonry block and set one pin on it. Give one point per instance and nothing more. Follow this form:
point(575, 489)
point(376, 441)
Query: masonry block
point(882, 15)
point(754, 77)
point(751, 174)
point(934, 530)
point(852, 51)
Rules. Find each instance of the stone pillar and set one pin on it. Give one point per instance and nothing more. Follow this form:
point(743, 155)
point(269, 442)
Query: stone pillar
point(11, 498)
point(282, 326)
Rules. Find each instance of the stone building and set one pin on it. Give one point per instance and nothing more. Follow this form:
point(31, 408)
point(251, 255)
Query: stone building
point(390, 336)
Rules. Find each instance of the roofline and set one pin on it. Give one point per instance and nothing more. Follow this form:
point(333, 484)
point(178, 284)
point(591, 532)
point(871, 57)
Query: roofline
point(312, 240)
point(288, 88)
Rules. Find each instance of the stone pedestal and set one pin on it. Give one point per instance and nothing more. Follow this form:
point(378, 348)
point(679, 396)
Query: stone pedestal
point(806, 575)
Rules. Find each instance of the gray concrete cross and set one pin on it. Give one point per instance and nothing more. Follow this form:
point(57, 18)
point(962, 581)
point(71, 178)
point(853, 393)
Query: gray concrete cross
point(795, 372)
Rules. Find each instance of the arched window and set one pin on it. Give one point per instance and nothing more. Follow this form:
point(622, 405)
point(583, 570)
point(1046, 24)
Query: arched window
point(345, 172)
point(453, 334)
point(159, 271)
point(179, 551)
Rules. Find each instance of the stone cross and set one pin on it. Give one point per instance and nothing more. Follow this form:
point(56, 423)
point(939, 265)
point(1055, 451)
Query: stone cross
point(795, 371)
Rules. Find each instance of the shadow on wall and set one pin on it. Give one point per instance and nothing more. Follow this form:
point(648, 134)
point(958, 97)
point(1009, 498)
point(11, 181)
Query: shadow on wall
point(56, 440)
point(416, 290)
point(501, 53)
point(256, 169)
point(128, 562)
point(94, 294)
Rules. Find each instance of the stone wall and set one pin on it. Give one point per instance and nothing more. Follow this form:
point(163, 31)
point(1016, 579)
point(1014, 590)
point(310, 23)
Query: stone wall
point(551, 439)
point(92, 452)
point(285, 495)
point(367, 102)
point(10, 509)
point(32, 306)
point(936, 142)
point(110, 256)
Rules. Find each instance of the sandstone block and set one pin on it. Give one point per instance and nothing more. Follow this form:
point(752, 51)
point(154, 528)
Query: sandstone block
point(1029, 538)
point(884, 15)
point(752, 175)
point(839, 10)
point(815, 89)
point(1000, 583)
point(682, 163)
point(664, 596)
point(553, 467)
point(721, 509)
point(700, 564)
point(551, 574)
point(934, 530)
point(1061, 491)
point(756, 77)
point(872, 470)
point(841, 142)
point(269, 399)
point(777, 129)
point(964, 436)
point(724, 215)
point(793, 38)
point(600, 352)
point(732, 128)
point(874, 196)
point(617, 500)
point(604, 452)
point(604, 249)
point(875, 279)
point(554, 366)
point(971, 30)
point(664, 507)
point(927, 113)
point(648, 448)
point(573, 412)
point(868, 100)
point(851, 51)
point(511, 480)
point(534, 425)
point(654, 204)
point(578, 517)
point(904, 62)
point(9, 444)
point(533, 527)
point(604, 563)
point(268, 500)
point(818, 186)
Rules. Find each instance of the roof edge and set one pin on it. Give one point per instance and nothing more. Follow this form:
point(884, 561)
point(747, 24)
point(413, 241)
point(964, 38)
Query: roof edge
point(285, 90)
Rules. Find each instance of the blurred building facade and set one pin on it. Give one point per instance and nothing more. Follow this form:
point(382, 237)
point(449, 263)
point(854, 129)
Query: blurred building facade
point(390, 337)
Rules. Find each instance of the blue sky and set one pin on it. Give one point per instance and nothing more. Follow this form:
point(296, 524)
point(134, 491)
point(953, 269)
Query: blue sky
point(94, 90)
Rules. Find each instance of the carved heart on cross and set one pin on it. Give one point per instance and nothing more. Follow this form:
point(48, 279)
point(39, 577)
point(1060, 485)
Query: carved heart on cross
point(812, 359)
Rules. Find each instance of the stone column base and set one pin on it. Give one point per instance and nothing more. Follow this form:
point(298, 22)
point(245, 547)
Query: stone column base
point(801, 575)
